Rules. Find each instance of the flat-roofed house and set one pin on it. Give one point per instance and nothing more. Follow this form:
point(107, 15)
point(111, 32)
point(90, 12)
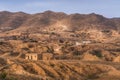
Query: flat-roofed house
point(36, 56)
point(86, 42)
point(31, 56)
point(47, 56)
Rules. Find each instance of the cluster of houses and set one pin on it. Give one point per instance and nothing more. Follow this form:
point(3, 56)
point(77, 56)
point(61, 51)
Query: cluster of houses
point(49, 56)
point(43, 56)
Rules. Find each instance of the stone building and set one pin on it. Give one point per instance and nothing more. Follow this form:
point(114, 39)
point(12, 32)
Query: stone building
point(86, 42)
point(57, 48)
point(78, 43)
point(47, 56)
point(82, 43)
point(35, 56)
point(31, 56)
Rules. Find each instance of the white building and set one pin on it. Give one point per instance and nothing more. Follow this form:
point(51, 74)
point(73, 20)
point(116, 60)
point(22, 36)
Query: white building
point(82, 43)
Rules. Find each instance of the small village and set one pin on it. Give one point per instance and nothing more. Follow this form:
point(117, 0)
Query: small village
point(81, 42)
point(54, 46)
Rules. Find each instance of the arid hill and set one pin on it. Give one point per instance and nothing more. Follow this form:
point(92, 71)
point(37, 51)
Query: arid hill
point(12, 21)
point(63, 46)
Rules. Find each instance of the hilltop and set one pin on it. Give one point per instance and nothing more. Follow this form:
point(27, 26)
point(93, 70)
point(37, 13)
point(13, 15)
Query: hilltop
point(11, 21)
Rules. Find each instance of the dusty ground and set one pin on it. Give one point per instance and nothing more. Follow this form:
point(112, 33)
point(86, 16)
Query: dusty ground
point(57, 33)
point(87, 62)
point(62, 70)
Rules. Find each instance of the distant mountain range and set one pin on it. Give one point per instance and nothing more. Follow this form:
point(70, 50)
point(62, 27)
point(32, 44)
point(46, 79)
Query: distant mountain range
point(56, 21)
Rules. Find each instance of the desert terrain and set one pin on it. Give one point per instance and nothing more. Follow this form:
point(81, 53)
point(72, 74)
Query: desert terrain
point(59, 46)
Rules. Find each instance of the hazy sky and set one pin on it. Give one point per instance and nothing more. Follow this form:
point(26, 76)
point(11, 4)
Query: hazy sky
point(108, 8)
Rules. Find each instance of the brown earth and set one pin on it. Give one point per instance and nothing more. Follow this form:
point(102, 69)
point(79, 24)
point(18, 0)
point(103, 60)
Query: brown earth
point(63, 36)
point(64, 70)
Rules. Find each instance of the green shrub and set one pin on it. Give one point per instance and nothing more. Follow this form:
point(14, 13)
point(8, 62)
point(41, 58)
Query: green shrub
point(11, 78)
point(91, 76)
point(3, 75)
point(97, 53)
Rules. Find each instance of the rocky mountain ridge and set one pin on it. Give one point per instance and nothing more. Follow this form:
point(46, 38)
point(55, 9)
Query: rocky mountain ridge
point(53, 20)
